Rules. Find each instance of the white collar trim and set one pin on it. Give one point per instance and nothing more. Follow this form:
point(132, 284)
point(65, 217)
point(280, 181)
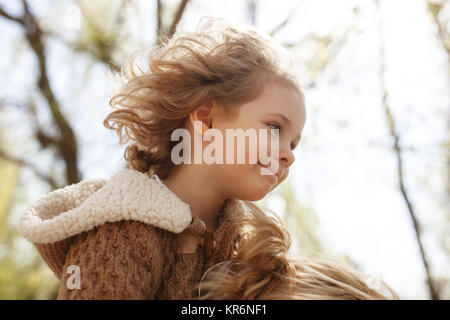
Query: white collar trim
point(128, 195)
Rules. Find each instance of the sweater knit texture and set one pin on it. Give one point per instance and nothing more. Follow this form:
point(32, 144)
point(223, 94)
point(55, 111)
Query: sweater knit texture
point(125, 236)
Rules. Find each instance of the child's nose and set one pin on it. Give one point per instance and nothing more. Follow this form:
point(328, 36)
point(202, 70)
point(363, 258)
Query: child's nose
point(287, 158)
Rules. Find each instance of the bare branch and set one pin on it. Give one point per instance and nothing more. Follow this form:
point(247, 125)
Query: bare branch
point(6, 15)
point(286, 20)
point(443, 33)
point(435, 9)
point(66, 144)
point(177, 18)
point(398, 150)
point(251, 7)
point(30, 108)
point(159, 10)
point(30, 166)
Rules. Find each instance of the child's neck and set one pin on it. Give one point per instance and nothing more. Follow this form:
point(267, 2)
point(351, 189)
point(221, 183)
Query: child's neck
point(198, 191)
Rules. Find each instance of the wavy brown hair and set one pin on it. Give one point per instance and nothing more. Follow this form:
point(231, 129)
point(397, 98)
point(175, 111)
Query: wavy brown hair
point(264, 269)
point(218, 62)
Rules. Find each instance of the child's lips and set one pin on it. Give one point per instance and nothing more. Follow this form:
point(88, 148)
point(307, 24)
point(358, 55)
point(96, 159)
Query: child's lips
point(277, 174)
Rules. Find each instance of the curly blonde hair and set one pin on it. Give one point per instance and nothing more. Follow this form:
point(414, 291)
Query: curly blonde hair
point(218, 62)
point(263, 268)
point(229, 66)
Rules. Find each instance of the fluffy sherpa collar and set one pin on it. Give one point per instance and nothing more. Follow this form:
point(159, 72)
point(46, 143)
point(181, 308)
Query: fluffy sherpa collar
point(128, 195)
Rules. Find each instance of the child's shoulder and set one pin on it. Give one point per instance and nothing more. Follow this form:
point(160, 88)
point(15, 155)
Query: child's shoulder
point(128, 195)
point(123, 234)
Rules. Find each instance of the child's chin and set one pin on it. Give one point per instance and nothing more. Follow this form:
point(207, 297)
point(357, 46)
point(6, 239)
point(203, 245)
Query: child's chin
point(257, 191)
point(255, 197)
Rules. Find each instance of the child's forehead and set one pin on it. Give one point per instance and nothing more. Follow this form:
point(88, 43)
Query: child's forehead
point(277, 100)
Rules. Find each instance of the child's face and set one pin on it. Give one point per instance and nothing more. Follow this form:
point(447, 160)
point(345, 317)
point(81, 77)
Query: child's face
point(245, 181)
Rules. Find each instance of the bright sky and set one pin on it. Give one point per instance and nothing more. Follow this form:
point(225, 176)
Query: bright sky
point(345, 170)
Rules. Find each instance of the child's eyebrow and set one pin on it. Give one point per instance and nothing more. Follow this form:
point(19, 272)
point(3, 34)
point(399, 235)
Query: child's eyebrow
point(297, 138)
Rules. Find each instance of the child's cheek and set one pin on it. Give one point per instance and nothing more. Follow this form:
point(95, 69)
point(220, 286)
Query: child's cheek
point(284, 176)
point(263, 146)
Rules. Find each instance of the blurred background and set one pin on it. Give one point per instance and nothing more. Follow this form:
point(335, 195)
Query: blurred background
point(371, 181)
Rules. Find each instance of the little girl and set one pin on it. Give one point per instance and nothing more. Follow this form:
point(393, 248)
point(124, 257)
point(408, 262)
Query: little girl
point(153, 229)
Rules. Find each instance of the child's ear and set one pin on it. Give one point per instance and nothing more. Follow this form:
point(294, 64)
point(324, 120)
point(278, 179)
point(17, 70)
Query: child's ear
point(204, 114)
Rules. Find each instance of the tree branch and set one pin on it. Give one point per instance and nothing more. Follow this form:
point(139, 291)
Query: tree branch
point(251, 7)
point(285, 21)
point(443, 34)
point(30, 166)
point(66, 144)
point(6, 15)
point(177, 18)
point(399, 157)
point(159, 26)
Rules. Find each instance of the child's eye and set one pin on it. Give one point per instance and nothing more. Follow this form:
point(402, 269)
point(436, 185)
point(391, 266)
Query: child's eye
point(274, 126)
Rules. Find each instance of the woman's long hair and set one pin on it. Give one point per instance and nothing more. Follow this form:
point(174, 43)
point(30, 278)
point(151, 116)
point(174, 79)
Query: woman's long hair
point(264, 269)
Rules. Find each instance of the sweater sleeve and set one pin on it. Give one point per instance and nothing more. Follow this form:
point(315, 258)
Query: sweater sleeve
point(120, 260)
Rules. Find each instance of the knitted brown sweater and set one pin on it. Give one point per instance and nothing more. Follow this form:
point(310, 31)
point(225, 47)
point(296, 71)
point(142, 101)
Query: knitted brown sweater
point(125, 238)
